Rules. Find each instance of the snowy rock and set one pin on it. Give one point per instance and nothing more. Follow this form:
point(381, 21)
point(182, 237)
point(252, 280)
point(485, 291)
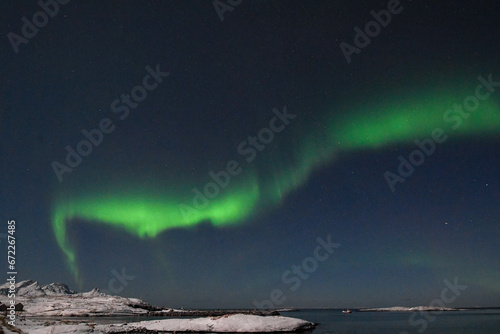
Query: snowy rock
point(234, 323)
point(55, 289)
point(27, 288)
point(408, 309)
point(230, 323)
point(55, 327)
point(57, 299)
point(95, 292)
point(30, 288)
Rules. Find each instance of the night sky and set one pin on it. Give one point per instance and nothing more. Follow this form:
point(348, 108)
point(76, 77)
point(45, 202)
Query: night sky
point(217, 155)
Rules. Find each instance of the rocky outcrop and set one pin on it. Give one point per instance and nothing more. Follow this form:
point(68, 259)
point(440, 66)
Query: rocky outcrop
point(244, 323)
point(30, 288)
point(57, 300)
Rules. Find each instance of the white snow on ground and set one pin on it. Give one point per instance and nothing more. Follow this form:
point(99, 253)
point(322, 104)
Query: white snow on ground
point(24, 288)
point(79, 306)
point(227, 323)
point(409, 309)
point(56, 300)
point(55, 328)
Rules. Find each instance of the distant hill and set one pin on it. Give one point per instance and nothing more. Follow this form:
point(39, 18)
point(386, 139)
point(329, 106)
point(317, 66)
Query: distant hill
point(30, 288)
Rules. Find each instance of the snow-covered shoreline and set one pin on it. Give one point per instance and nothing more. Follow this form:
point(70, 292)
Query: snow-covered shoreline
point(240, 323)
point(57, 299)
point(46, 310)
point(410, 309)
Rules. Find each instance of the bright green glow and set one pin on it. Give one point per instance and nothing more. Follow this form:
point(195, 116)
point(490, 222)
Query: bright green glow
point(413, 120)
point(144, 213)
point(147, 215)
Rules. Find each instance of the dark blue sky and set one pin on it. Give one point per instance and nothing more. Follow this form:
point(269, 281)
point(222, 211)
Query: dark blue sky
point(225, 78)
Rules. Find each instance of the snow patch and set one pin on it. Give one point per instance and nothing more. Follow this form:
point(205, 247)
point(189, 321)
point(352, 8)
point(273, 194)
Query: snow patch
point(236, 323)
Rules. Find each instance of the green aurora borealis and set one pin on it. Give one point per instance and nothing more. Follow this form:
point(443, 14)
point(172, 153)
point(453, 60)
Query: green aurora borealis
point(145, 212)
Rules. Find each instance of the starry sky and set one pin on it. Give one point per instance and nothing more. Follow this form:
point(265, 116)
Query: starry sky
point(237, 154)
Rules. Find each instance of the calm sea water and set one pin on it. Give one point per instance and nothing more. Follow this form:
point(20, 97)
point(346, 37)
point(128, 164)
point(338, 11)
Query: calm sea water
point(456, 322)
